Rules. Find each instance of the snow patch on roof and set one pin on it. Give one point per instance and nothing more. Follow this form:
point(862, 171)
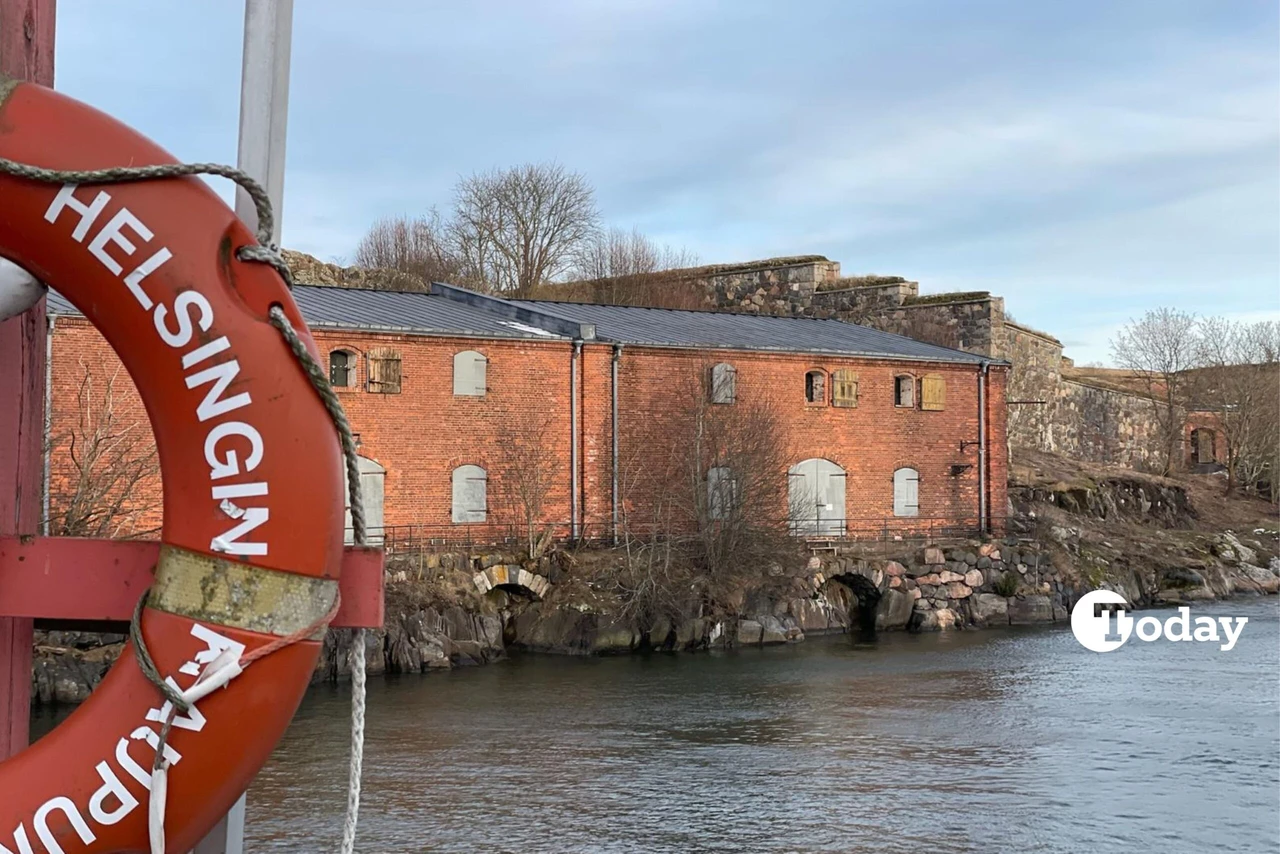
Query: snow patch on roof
point(530, 330)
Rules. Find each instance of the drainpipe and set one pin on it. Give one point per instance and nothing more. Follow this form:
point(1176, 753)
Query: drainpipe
point(982, 447)
point(48, 424)
point(617, 357)
point(573, 440)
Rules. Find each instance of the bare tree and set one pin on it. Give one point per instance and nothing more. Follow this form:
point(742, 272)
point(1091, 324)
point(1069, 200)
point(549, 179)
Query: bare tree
point(105, 491)
point(1239, 381)
point(1159, 349)
point(525, 466)
point(625, 268)
point(707, 509)
point(516, 228)
point(416, 247)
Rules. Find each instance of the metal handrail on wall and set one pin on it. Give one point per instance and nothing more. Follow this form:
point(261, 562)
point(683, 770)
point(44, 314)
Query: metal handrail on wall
point(399, 539)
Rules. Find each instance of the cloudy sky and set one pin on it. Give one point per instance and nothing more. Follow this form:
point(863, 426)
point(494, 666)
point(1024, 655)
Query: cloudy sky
point(1086, 160)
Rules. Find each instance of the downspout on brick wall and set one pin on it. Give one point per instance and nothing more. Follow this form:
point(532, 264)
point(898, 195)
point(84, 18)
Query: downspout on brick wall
point(982, 446)
point(617, 357)
point(48, 425)
point(573, 439)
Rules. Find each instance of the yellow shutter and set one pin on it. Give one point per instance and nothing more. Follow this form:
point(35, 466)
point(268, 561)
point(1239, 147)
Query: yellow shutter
point(845, 391)
point(384, 371)
point(933, 392)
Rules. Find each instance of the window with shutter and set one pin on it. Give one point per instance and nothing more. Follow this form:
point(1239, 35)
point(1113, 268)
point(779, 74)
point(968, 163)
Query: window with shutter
point(844, 390)
point(341, 368)
point(933, 392)
point(470, 495)
point(724, 383)
point(904, 391)
point(470, 374)
point(384, 371)
point(906, 492)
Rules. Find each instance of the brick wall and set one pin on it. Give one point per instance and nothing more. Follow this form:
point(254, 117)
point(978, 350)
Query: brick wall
point(421, 434)
point(86, 380)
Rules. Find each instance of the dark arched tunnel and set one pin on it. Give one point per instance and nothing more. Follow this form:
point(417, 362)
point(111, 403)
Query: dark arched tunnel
point(864, 599)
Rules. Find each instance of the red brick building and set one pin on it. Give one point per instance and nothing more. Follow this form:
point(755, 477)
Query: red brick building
point(451, 393)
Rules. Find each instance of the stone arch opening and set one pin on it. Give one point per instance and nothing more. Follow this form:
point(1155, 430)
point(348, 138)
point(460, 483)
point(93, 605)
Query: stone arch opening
point(862, 603)
point(511, 579)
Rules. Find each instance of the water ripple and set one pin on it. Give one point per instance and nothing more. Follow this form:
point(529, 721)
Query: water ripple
point(967, 742)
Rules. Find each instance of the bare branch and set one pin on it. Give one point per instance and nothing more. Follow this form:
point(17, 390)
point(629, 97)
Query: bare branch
point(1159, 349)
point(416, 247)
point(1238, 381)
point(625, 268)
point(524, 465)
point(105, 491)
point(517, 228)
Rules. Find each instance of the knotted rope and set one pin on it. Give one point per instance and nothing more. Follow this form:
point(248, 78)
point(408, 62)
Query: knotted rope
point(266, 252)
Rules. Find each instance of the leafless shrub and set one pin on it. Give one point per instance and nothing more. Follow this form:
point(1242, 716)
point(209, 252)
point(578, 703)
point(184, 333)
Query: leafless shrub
point(524, 462)
point(110, 458)
point(415, 247)
point(627, 268)
point(705, 507)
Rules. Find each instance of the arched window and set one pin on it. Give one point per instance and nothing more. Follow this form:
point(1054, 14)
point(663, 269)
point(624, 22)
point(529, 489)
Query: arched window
point(342, 368)
point(906, 492)
point(815, 386)
point(904, 391)
point(470, 495)
point(722, 492)
point(470, 370)
point(724, 383)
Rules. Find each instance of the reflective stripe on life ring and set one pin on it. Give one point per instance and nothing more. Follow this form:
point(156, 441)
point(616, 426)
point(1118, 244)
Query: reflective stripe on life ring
point(253, 514)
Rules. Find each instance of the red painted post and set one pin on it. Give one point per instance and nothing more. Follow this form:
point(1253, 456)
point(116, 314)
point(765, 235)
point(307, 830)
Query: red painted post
point(65, 578)
point(26, 53)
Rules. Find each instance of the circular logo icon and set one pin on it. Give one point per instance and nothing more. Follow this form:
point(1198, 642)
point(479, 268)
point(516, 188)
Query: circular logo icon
point(1098, 624)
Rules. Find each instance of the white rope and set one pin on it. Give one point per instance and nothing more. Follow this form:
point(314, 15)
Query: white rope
point(357, 743)
point(265, 253)
point(356, 499)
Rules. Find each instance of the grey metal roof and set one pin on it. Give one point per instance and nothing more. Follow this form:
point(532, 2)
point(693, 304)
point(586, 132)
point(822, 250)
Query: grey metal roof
point(389, 311)
point(449, 310)
point(672, 327)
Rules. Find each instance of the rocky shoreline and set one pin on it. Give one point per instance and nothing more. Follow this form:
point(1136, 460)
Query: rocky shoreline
point(1132, 534)
point(934, 588)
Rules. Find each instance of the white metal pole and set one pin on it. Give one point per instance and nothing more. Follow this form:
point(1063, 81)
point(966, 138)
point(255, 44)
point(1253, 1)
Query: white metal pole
point(264, 113)
point(264, 103)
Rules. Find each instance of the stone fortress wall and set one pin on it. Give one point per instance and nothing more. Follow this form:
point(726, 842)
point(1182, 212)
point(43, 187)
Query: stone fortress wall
point(1052, 406)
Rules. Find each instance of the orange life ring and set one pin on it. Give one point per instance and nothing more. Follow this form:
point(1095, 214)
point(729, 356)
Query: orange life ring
point(253, 515)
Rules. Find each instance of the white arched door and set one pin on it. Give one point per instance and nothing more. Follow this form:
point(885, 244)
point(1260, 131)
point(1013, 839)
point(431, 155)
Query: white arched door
point(816, 498)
